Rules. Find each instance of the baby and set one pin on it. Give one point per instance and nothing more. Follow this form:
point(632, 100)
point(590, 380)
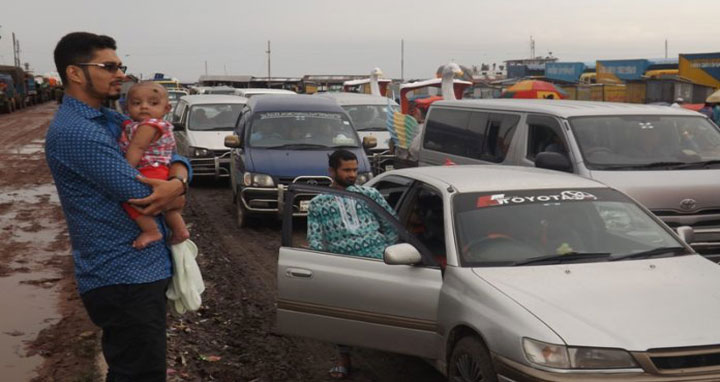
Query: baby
point(148, 143)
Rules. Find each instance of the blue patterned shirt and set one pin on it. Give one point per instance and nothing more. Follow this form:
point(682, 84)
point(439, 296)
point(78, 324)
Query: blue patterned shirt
point(93, 179)
point(348, 226)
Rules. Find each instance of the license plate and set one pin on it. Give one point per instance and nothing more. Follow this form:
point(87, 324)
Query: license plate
point(389, 167)
point(304, 204)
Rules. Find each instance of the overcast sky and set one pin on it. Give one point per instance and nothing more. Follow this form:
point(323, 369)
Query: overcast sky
point(352, 37)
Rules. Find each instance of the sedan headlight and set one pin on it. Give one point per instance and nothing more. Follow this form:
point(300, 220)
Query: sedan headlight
point(569, 357)
point(363, 177)
point(257, 180)
point(199, 152)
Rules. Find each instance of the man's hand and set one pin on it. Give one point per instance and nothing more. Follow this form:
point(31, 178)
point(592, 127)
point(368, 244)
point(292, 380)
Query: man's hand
point(163, 196)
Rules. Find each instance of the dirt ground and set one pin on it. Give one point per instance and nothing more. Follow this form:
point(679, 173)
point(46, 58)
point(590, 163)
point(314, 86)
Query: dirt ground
point(231, 338)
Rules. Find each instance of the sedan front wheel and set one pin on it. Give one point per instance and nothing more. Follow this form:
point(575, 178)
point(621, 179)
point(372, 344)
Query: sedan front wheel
point(470, 362)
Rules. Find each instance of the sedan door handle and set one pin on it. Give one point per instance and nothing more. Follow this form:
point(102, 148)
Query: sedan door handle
point(297, 272)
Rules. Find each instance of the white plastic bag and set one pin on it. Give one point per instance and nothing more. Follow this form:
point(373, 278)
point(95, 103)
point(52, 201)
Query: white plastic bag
point(187, 284)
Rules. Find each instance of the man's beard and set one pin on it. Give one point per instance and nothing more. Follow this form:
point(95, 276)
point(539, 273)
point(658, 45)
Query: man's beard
point(344, 183)
point(90, 88)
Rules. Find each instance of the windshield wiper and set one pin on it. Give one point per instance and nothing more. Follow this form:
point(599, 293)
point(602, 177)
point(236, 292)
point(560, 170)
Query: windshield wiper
point(562, 258)
point(644, 165)
point(700, 164)
point(344, 147)
point(648, 253)
point(370, 128)
point(298, 146)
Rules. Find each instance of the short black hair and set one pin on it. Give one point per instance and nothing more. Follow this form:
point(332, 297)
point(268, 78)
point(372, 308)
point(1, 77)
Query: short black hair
point(340, 155)
point(79, 47)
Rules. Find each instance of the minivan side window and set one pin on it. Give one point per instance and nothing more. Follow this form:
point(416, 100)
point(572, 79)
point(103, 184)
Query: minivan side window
point(447, 131)
point(544, 134)
point(498, 132)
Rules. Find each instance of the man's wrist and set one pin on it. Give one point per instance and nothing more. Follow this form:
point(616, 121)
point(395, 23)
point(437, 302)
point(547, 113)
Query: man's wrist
point(182, 180)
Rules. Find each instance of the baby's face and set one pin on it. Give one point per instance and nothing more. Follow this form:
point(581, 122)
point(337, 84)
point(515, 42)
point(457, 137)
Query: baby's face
point(147, 102)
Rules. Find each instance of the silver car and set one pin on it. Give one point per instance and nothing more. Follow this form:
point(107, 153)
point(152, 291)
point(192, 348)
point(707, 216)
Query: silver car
point(665, 157)
point(507, 273)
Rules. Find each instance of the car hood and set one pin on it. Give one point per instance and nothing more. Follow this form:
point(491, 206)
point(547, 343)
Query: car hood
point(292, 163)
point(652, 188)
point(634, 304)
point(383, 138)
point(211, 140)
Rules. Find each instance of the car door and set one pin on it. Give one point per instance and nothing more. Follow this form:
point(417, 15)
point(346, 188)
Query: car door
point(237, 155)
point(354, 300)
point(180, 123)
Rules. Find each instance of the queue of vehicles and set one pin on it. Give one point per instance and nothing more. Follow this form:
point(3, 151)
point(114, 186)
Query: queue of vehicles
point(20, 89)
point(503, 272)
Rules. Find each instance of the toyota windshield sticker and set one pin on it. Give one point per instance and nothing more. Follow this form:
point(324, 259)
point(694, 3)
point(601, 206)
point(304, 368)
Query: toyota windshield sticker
point(300, 115)
point(514, 199)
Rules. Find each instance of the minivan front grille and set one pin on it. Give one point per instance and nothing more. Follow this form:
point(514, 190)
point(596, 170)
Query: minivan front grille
point(662, 213)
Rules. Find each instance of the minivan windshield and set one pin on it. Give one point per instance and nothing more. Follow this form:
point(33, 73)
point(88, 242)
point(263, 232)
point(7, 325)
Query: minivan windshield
point(369, 117)
point(302, 130)
point(214, 117)
point(628, 142)
point(516, 228)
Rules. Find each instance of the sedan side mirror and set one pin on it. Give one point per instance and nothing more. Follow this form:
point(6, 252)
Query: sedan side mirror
point(686, 233)
point(179, 126)
point(402, 254)
point(369, 142)
point(553, 161)
point(232, 141)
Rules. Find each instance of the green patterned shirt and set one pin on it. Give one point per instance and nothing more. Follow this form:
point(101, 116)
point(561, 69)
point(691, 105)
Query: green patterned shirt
point(348, 226)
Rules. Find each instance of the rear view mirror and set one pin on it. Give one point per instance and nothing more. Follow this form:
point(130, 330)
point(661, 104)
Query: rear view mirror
point(402, 254)
point(686, 233)
point(553, 161)
point(369, 142)
point(232, 141)
point(178, 126)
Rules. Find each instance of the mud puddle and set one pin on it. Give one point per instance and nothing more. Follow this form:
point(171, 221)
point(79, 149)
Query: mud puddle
point(29, 230)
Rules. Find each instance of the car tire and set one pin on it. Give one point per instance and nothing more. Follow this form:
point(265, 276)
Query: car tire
point(470, 362)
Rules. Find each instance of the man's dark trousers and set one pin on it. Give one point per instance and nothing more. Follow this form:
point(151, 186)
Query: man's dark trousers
point(132, 317)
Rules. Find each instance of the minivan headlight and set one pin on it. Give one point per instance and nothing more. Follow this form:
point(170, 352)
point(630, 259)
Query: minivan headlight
point(569, 357)
point(257, 180)
point(363, 177)
point(199, 151)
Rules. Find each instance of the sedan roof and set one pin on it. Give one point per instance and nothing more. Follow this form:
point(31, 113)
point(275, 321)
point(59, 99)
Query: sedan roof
point(567, 109)
point(488, 178)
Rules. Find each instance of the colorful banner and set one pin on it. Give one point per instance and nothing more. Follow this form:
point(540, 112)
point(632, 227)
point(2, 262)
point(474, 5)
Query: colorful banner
point(564, 71)
point(619, 71)
point(703, 69)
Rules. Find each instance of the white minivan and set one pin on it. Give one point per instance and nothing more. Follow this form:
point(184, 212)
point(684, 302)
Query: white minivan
point(201, 124)
point(667, 158)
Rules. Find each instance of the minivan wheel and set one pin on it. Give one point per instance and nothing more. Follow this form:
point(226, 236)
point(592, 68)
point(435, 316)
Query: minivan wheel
point(470, 362)
point(241, 215)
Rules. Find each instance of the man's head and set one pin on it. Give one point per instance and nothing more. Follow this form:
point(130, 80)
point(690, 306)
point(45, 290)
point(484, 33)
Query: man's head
point(89, 66)
point(343, 168)
point(147, 100)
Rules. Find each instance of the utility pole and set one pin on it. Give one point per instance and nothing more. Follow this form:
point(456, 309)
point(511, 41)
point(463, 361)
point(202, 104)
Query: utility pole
point(206, 67)
point(269, 73)
point(532, 47)
point(666, 49)
point(16, 51)
point(402, 60)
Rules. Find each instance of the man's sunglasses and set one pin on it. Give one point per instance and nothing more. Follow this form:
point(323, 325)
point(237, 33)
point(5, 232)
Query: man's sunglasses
point(110, 66)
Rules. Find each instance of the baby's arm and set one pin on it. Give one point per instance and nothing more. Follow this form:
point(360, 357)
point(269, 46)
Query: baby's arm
point(141, 140)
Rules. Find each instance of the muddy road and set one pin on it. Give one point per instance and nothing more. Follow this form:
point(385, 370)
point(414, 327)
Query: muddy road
point(45, 334)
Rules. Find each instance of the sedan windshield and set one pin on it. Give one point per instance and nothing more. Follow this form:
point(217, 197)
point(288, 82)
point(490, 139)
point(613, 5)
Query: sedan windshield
point(551, 226)
point(220, 117)
point(302, 130)
point(647, 142)
point(368, 117)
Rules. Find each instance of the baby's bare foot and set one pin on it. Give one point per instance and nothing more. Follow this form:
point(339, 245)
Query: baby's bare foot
point(180, 235)
point(146, 238)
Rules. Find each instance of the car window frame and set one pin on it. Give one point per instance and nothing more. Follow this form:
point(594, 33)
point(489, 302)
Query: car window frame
point(409, 186)
point(403, 234)
point(558, 129)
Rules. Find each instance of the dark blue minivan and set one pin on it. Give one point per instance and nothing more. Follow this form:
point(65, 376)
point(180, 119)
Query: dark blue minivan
point(285, 139)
